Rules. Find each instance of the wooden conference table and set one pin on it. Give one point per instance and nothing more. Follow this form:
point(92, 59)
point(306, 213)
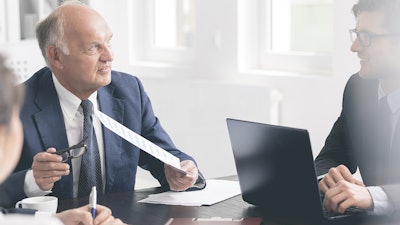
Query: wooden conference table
point(125, 206)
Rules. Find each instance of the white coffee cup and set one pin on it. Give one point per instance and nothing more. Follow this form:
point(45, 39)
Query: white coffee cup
point(41, 203)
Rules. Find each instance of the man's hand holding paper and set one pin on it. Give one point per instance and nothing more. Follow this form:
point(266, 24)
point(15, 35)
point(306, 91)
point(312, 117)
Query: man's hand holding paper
point(179, 181)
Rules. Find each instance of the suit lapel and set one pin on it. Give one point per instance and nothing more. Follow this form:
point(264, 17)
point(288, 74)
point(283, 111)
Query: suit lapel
point(50, 124)
point(114, 108)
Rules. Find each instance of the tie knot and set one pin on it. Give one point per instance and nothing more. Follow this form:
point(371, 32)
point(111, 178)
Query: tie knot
point(87, 107)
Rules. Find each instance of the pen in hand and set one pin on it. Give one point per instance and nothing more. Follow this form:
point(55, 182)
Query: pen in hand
point(93, 201)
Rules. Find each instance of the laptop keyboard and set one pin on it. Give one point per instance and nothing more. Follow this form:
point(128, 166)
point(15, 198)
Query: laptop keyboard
point(349, 211)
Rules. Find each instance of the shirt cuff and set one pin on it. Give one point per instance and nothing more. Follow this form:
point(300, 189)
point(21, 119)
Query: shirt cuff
point(382, 204)
point(200, 183)
point(47, 217)
point(31, 189)
point(43, 215)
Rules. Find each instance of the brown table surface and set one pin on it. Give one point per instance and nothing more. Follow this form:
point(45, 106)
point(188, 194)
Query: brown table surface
point(125, 206)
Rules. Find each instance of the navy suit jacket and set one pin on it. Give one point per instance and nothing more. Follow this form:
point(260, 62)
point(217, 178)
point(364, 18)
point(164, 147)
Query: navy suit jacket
point(124, 100)
point(361, 138)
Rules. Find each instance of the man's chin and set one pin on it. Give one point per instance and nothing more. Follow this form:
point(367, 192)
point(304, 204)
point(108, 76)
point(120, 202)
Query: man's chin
point(104, 79)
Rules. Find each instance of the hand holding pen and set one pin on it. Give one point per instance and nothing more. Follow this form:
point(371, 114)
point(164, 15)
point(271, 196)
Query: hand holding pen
point(99, 214)
point(82, 216)
point(93, 201)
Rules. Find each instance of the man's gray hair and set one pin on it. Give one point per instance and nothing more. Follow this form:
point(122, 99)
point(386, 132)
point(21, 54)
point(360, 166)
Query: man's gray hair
point(50, 31)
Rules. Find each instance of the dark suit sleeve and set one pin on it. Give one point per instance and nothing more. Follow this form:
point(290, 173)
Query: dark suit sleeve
point(18, 211)
point(153, 131)
point(12, 189)
point(337, 149)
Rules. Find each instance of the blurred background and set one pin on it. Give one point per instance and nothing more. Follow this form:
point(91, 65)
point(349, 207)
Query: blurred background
point(201, 61)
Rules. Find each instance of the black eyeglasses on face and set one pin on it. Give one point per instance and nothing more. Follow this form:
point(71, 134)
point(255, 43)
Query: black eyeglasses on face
point(365, 37)
point(74, 151)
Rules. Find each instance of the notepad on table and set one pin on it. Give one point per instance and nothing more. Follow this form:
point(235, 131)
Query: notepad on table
point(214, 221)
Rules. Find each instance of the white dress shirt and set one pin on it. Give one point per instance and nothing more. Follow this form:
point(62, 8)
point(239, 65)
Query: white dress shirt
point(382, 204)
point(73, 120)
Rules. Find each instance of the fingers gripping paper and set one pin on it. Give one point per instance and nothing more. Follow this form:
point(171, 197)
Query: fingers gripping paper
point(138, 140)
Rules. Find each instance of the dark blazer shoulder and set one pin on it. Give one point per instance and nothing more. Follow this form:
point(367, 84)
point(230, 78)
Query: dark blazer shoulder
point(34, 79)
point(125, 86)
point(42, 79)
point(121, 77)
point(359, 92)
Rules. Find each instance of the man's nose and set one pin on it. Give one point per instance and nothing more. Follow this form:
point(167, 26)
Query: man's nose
point(356, 46)
point(107, 54)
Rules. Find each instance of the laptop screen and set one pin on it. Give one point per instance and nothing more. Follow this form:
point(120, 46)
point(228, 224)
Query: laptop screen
point(275, 167)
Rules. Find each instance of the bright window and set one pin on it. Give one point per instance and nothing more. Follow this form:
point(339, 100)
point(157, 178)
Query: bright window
point(297, 35)
point(301, 25)
point(173, 23)
point(163, 31)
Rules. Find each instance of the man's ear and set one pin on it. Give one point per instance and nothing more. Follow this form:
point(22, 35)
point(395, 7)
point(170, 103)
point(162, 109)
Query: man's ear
point(54, 56)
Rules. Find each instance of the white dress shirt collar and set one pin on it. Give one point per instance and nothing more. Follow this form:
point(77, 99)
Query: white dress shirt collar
point(393, 99)
point(69, 102)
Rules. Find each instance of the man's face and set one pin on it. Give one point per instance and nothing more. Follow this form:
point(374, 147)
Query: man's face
point(87, 67)
point(379, 60)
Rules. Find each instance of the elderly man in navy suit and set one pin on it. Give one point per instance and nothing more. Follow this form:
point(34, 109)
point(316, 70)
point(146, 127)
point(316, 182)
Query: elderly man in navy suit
point(75, 41)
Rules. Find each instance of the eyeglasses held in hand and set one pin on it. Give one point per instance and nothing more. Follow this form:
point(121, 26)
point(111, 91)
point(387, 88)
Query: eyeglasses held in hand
point(74, 151)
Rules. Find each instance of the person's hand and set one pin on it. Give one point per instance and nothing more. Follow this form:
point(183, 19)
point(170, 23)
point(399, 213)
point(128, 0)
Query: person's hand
point(344, 195)
point(48, 168)
point(177, 180)
point(335, 175)
point(83, 216)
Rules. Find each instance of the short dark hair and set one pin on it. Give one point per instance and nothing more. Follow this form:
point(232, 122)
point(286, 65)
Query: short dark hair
point(391, 8)
point(10, 95)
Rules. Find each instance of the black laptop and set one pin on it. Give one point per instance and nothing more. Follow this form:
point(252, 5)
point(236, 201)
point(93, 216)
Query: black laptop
point(276, 170)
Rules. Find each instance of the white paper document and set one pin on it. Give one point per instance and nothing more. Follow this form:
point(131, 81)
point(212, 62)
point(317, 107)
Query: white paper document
point(139, 141)
point(215, 191)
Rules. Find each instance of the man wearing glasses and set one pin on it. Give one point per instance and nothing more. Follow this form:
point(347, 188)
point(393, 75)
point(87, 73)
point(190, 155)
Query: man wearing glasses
point(366, 134)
